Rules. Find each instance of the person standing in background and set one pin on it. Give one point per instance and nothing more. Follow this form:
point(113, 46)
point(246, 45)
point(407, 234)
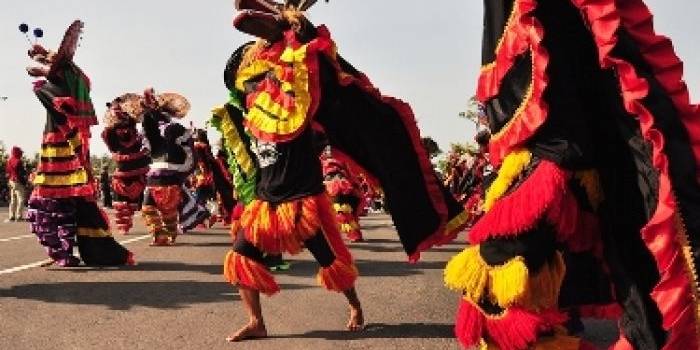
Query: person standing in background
point(17, 181)
point(105, 187)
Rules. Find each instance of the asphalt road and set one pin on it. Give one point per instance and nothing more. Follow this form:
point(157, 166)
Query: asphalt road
point(176, 298)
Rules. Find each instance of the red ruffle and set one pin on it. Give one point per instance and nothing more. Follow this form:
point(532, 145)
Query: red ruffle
point(249, 274)
point(131, 156)
point(59, 166)
point(673, 295)
point(520, 210)
point(131, 173)
point(133, 190)
point(86, 190)
point(525, 32)
point(516, 329)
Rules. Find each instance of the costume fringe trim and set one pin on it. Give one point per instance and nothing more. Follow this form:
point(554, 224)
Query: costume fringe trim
point(513, 165)
point(338, 277)
point(508, 283)
point(247, 273)
point(282, 227)
point(543, 189)
point(467, 272)
point(514, 329)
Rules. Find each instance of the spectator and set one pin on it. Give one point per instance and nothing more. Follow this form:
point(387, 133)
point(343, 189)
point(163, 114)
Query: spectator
point(17, 177)
point(105, 187)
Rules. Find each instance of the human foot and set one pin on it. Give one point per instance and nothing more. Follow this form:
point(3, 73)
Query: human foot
point(356, 322)
point(253, 330)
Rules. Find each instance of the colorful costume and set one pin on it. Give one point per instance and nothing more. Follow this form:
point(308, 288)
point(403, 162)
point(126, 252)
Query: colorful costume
point(62, 207)
point(597, 145)
point(276, 90)
point(212, 181)
point(130, 153)
point(173, 160)
point(345, 195)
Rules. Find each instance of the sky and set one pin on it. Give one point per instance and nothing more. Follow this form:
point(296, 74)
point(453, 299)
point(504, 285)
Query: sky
point(425, 54)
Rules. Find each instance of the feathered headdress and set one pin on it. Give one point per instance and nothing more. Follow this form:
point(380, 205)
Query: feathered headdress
point(268, 19)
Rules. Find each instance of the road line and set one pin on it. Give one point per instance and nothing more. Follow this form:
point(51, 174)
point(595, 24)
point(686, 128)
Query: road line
point(16, 238)
point(48, 261)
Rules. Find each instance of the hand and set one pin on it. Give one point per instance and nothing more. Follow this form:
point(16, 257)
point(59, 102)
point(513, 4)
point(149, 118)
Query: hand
point(37, 71)
point(149, 98)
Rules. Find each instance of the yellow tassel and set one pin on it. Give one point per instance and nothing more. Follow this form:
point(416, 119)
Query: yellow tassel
point(508, 283)
point(513, 165)
point(467, 272)
point(544, 286)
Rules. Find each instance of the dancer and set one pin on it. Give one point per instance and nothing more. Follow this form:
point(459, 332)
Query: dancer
point(345, 195)
point(212, 182)
point(62, 208)
point(597, 145)
point(276, 102)
point(131, 154)
point(171, 147)
point(17, 182)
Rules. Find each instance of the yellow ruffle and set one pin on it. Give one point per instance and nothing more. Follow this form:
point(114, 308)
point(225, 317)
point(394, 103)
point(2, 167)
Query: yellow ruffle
point(513, 165)
point(79, 177)
point(508, 283)
point(467, 272)
point(234, 141)
point(58, 151)
point(266, 114)
point(505, 285)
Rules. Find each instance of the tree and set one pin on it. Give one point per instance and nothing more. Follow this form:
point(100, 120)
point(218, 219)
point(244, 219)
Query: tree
point(431, 147)
point(472, 113)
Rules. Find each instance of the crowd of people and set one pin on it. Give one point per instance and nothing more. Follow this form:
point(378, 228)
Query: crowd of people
point(581, 200)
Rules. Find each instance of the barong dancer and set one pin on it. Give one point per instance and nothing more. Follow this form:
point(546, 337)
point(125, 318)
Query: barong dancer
point(131, 154)
point(62, 207)
point(597, 146)
point(276, 102)
point(172, 157)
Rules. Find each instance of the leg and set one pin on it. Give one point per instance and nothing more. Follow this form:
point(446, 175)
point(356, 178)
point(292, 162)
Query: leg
point(151, 216)
point(357, 319)
point(20, 192)
point(256, 325)
point(244, 266)
point(13, 201)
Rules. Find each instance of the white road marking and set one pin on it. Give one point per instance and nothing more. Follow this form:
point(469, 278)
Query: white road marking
point(16, 238)
point(48, 261)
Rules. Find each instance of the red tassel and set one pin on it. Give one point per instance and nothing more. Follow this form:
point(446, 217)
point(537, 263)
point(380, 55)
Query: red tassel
point(247, 273)
point(518, 328)
point(469, 324)
point(338, 277)
point(521, 210)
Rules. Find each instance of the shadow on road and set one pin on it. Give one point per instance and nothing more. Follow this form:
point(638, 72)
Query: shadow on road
point(126, 295)
point(151, 266)
point(370, 268)
point(384, 331)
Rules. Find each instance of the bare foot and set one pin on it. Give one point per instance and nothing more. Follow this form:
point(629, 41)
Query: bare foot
point(356, 322)
point(253, 330)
